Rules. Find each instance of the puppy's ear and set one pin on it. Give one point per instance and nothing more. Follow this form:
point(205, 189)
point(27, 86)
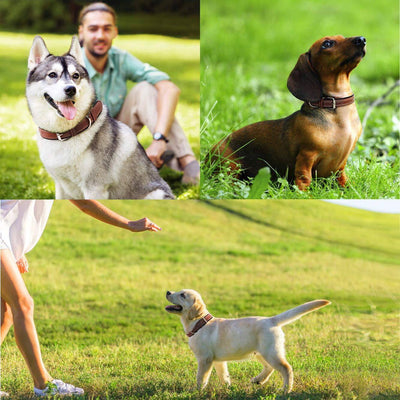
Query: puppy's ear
point(76, 51)
point(303, 81)
point(197, 309)
point(38, 52)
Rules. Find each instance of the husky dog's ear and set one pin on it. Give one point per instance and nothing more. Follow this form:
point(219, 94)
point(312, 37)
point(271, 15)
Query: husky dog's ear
point(38, 52)
point(76, 51)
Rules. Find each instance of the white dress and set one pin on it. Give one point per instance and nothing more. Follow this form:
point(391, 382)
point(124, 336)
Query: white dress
point(22, 224)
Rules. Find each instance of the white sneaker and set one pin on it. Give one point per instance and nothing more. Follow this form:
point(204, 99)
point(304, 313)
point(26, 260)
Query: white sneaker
point(59, 387)
point(4, 394)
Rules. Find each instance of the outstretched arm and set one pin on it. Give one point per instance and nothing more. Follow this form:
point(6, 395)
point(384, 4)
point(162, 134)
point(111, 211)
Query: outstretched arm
point(99, 211)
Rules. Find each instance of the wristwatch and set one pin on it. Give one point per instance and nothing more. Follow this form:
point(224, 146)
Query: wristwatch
point(160, 136)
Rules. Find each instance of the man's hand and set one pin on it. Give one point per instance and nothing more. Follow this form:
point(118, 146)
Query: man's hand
point(155, 151)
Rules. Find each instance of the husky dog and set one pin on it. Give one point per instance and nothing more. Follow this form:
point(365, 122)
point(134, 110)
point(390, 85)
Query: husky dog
point(88, 154)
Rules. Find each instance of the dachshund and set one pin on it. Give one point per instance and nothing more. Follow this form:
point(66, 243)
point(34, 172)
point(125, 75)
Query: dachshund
point(316, 140)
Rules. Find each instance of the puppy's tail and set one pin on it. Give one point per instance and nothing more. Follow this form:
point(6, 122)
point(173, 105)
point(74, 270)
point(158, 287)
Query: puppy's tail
point(295, 313)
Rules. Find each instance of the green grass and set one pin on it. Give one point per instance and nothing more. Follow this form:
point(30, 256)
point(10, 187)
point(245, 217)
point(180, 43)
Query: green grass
point(22, 173)
point(100, 294)
point(248, 50)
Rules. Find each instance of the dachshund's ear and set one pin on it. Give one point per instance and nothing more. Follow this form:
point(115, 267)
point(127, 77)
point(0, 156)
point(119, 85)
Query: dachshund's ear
point(196, 310)
point(303, 81)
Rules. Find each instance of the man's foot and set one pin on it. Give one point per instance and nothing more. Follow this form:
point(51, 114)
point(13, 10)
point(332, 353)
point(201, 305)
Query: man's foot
point(191, 173)
point(59, 387)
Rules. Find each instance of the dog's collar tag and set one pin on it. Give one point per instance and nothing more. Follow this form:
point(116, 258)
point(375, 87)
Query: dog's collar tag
point(200, 324)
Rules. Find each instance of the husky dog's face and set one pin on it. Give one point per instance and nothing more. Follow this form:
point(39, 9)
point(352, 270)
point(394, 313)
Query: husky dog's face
point(58, 89)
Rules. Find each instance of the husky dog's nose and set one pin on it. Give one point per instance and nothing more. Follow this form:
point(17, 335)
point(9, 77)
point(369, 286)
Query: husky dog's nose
point(70, 90)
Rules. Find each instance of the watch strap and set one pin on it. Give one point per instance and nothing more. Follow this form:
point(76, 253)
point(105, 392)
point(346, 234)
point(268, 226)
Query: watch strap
point(160, 137)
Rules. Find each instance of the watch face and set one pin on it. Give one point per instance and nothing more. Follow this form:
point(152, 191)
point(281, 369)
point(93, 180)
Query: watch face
point(157, 136)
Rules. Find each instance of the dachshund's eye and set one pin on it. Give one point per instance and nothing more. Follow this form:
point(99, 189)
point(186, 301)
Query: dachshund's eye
point(183, 295)
point(327, 44)
point(52, 75)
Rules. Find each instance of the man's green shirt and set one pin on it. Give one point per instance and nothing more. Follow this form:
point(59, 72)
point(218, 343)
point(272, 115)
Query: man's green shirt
point(110, 86)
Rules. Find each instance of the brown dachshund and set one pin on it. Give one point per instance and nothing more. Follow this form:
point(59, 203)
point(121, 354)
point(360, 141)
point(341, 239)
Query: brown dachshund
point(316, 140)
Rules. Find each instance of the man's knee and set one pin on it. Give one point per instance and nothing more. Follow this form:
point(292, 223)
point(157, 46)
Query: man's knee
point(143, 89)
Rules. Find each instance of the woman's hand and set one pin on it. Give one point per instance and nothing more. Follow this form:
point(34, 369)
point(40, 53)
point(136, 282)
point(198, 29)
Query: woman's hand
point(23, 265)
point(143, 224)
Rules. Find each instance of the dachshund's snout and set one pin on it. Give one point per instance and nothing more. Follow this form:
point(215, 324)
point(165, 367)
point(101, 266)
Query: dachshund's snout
point(360, 41)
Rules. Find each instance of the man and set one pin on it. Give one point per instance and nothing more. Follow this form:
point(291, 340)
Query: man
point(152, 102)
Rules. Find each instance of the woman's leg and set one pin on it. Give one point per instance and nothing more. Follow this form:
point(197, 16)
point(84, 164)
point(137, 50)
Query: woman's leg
point(6, 319)
point(16, 295)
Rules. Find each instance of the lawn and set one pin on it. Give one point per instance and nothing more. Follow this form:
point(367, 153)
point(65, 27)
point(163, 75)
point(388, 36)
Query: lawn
point(22, 173)
point(100, 295)
point(248, 49)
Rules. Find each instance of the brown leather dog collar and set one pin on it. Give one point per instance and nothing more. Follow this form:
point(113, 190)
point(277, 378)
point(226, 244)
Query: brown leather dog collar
point(331, 102)
point(200, 324)
point(86, 123)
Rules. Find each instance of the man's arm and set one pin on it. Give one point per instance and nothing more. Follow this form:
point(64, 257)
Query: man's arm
point(167, 100)
point(168, 96)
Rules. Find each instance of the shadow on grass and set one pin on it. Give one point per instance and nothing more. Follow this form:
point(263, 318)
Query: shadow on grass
point(157, 390)
point(227, 207)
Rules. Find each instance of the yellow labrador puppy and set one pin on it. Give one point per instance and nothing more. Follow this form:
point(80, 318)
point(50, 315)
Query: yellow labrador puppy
point(214, 341)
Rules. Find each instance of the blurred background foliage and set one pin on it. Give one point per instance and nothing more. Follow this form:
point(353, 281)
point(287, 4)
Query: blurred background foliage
point(178, 18)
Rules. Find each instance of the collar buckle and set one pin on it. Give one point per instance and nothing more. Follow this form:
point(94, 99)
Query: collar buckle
point(90, 121)
point(60, 138)
point(333, 101)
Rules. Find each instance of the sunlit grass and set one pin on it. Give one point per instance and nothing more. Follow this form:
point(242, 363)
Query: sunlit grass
point(100, 294)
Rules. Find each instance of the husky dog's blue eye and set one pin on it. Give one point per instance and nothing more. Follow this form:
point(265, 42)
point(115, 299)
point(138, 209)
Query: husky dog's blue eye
point(52, 75)
point(75, 76)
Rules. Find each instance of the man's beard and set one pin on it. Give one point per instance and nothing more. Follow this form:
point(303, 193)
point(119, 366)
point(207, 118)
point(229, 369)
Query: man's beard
point(97, 55)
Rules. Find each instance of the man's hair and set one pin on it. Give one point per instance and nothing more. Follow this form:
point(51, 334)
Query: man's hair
point(98, 6)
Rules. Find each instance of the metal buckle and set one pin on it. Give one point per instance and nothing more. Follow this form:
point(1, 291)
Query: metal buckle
point(60, 138)
point(90, 122)
point(333, 102)
point(309, 103)
point(320, 102)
